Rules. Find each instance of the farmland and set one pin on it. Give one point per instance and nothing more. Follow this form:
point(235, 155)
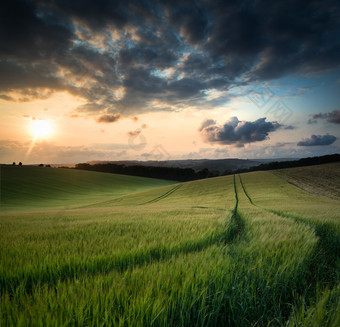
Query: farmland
point(37, 187)
point(108, 250)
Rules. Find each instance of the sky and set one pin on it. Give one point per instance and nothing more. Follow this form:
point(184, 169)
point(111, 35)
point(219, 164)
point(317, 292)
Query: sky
point(106, 80)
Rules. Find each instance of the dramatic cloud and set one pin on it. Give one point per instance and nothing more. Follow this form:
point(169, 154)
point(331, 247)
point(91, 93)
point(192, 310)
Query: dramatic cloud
point(318, 140)
point(237, 132)
point(137, 56)
point(108, 118)
point(332, 117)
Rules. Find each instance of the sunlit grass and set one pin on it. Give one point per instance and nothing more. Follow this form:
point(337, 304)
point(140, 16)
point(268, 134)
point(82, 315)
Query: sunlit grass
point(191, 254)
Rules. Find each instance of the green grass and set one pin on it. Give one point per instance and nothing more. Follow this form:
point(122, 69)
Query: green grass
point(227, 251)
point(40, 187)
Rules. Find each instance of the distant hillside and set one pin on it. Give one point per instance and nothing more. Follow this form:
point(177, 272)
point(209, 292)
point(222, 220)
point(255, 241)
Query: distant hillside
point(28, 186)
point(169, 173)
point(214, 165)
point(310, 161)
point(218, 165)
point(187, 170)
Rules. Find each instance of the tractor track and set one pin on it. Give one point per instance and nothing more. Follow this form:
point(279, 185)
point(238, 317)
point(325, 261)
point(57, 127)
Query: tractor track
point(326, 254)
point(163, 196)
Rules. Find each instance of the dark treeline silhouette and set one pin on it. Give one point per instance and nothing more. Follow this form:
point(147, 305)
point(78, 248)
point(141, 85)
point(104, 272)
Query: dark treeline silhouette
point(310, 161)
point(189, 174)
point(172, 173)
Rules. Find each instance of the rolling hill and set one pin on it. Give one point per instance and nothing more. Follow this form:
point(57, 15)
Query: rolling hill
point(37, 187)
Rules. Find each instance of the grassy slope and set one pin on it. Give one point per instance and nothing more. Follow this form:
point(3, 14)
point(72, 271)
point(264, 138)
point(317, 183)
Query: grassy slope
point(274, 193)
point(174, 256)
point(37, 187)
point(321, 179)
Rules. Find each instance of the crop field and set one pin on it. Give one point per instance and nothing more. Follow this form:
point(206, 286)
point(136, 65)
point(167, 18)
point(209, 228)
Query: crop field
point(25, 188)
point(106, 250)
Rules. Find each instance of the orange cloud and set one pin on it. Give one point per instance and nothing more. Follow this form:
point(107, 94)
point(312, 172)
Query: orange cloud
point(108, 118)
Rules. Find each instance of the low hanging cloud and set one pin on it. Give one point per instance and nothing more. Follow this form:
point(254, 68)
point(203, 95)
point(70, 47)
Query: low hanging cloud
point(332, 117)
point(315, 140)
point(108, 118)
point(237, 132)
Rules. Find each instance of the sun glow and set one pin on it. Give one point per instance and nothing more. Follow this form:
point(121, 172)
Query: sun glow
point(41, 128)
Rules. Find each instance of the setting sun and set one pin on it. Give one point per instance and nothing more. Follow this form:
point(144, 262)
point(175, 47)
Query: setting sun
point(41, 128)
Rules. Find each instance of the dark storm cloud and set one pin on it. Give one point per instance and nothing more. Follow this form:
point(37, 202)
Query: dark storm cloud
point(85, 62)
point(155, 58)
point(279, 36)
point(123, 56)
point(23, 76)
point(96, 14)
point(189, 17)
point(186, 87)
point(157, 47)
point(236, 29)
point(237, 132)
point(332, 117)
point(318, 140)
point(29, 32)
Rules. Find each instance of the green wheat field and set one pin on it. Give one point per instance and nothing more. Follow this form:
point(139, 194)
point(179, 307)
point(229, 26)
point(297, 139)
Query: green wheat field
point(82, 248)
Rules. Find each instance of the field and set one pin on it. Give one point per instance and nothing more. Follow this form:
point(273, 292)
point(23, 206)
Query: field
point(108, 250)
point(36, 187)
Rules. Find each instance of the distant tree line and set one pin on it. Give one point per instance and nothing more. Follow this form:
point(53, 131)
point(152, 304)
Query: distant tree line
point(310, 161)
point(171, 173)
point(189, 174)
